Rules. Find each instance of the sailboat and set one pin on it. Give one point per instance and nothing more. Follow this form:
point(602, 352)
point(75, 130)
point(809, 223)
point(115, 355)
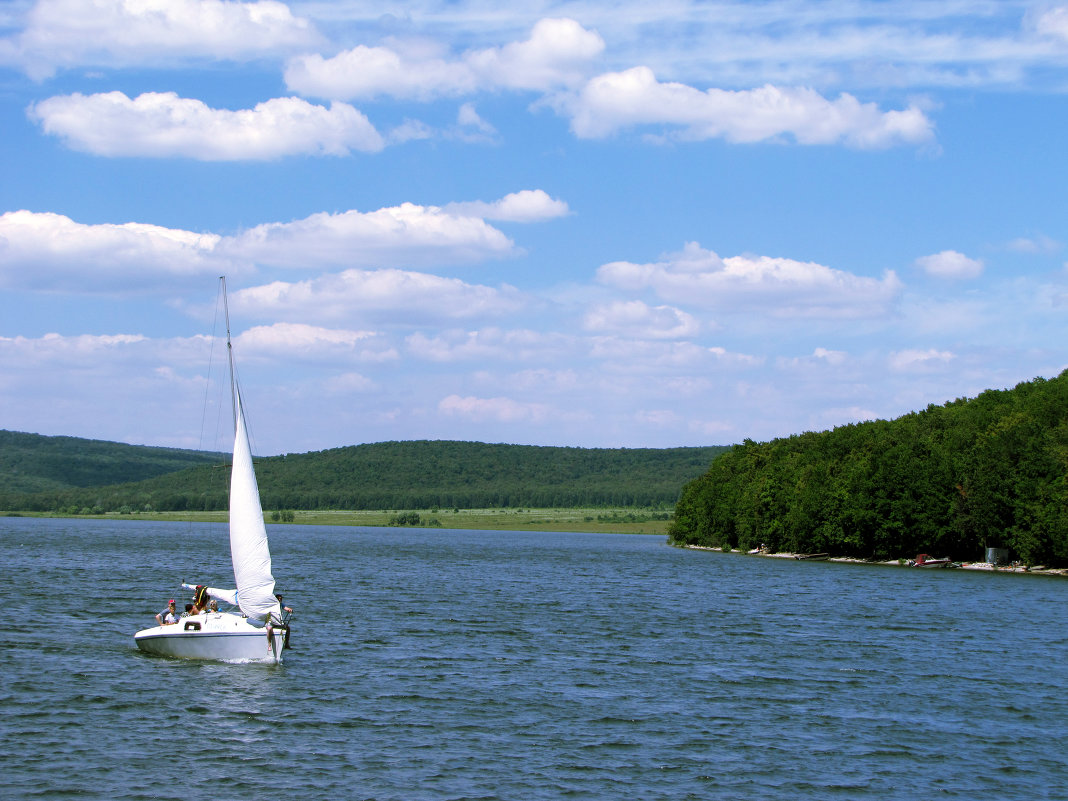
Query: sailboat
point(257, 632)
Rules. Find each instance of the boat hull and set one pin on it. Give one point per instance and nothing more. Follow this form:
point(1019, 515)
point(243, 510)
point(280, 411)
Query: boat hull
point(222, 636)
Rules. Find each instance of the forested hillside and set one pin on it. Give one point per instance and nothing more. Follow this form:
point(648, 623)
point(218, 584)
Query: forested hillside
point(411, 475)
point(35, 463)
point(949, 481)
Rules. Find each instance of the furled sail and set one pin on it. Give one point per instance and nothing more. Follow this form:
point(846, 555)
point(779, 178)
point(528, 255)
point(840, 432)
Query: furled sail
point(227, 596)
point(248, 535)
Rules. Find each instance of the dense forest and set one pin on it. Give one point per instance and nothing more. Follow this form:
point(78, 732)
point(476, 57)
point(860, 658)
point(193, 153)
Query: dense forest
point(36, 463)
point(405, 475)
point(950, 480)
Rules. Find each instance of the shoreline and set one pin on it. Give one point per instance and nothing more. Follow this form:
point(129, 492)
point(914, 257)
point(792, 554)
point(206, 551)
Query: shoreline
point(979, 566)
point(579, 520)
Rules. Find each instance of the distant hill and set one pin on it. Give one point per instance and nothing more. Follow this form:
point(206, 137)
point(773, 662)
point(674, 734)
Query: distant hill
point(36, 463)
point(405, 475)
point(952, 480)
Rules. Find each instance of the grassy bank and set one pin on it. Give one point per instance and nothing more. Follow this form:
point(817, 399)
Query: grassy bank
point(619, 520)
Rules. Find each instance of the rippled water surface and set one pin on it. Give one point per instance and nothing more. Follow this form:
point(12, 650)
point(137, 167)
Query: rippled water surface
point(485, 665)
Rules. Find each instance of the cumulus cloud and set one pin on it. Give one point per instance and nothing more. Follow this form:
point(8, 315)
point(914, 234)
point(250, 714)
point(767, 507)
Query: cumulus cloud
point(69, 33)
point(556, 54)
point(294, 341)
point(529, 205)
point(51, 251)
point(164, 125)
point(920, 360)
point(950, 264)
point(69, 351)
point(636, 319)
point(396, 296)
point(782, 287)
point(48, 251)
point(617, 101)
point(405, 234)
point(130, 357)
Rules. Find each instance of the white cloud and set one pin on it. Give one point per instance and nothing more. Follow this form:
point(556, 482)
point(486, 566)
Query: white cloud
point(396, 296)
point(164, 125)
point(350, 383)
point(617, 101)
point(819, 356)
point(69, 33)
point(114, 359)
point(1053, 22)
point(556, 54)
point(834, 357)
point(405, 234)
point(658, 418)
point(116, 386)
point(470, 127)
point(1040, 244)
point(69, 351)
point(293, 341)
point(500, 410)
point(528, 205)
point(741, 44)
point(640, 321)
point(781, 287)
point(950, 264)
point(919, 360)
point(517, 345)
point(51, 251)
point(411, 131)
point(637, 356)
point(47, 251)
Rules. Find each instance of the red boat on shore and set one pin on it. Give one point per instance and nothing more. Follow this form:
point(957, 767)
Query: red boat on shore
point(923, 560)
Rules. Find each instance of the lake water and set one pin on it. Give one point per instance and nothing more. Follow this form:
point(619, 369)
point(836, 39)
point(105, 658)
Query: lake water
point(486, 665)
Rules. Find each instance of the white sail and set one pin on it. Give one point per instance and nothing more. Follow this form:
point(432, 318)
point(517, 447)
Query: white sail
point(248, 535)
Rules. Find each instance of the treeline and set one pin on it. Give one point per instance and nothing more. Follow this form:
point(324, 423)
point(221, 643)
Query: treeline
point(950, 481)
point(36, 463)
point(409, 475)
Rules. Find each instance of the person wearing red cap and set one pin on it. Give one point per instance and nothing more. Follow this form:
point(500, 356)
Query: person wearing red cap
point(168, 616)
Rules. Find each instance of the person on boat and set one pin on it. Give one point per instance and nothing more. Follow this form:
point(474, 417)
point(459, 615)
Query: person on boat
point(286, 612)
point(188, 610)
point(200, 600)
point(168, 616)
point(213, 605)
point(286, 609)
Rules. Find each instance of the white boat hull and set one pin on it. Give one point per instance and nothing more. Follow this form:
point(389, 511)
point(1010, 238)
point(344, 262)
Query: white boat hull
point(220, 636)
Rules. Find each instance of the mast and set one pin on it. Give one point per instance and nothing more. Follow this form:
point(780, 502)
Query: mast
point(248, 535)
point(229, 351)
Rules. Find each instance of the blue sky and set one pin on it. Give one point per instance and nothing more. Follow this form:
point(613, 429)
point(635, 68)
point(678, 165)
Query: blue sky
point(581, 223)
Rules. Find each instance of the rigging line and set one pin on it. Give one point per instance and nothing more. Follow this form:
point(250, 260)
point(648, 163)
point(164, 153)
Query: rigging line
point(207, 383)
point(234, 394)
point(235, 385)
